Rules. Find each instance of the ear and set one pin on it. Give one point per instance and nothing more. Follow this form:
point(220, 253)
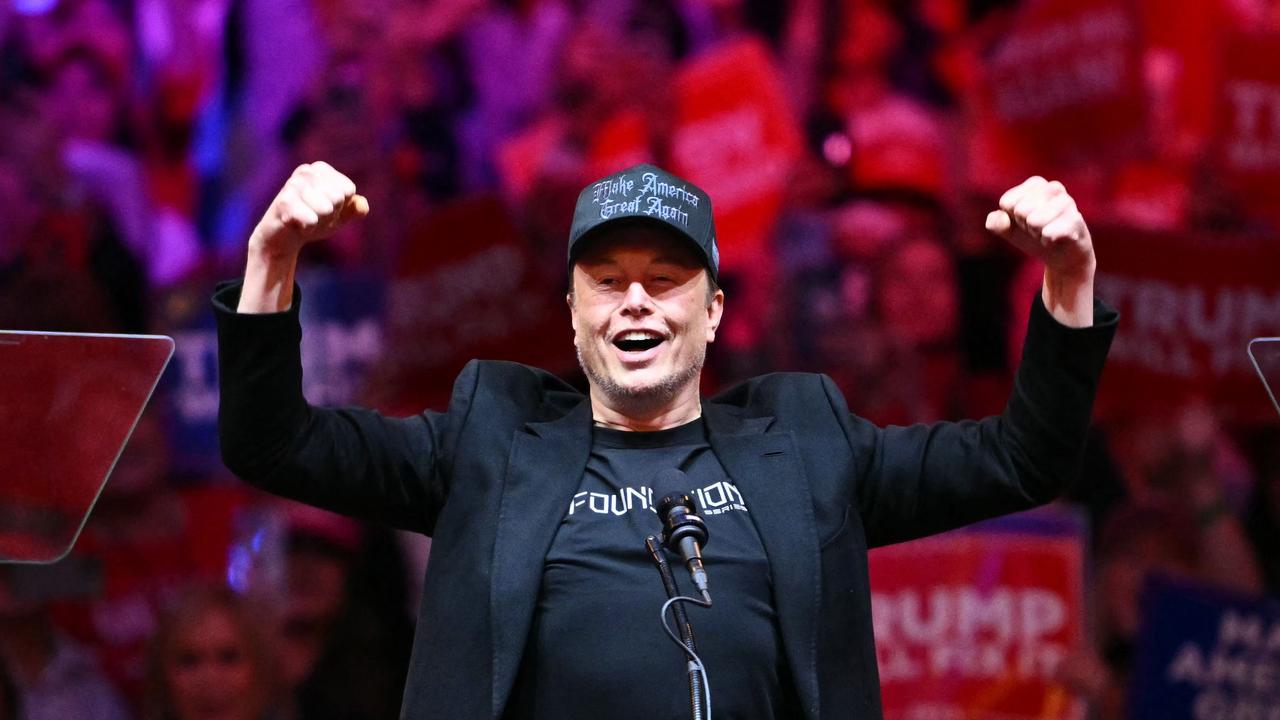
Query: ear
point(715, 310)
point(573, 314)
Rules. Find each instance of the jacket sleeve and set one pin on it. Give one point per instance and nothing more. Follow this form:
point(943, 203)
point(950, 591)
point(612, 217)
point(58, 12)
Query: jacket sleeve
point(349, 460)
point(919, 480)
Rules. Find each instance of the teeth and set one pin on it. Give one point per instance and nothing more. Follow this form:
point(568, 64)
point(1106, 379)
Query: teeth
point(638, 335)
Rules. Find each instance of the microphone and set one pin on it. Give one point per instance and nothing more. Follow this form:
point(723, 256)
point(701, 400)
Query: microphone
point(683, 531)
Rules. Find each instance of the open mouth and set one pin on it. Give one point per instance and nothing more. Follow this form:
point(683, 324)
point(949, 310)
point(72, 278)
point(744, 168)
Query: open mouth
point(637, 341)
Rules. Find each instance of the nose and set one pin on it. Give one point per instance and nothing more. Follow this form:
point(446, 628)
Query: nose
point(636, 301)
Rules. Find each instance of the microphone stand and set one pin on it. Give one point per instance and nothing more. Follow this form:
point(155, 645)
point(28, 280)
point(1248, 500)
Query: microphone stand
point(696, 681)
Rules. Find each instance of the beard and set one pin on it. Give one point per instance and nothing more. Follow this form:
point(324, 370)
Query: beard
point(644, 396)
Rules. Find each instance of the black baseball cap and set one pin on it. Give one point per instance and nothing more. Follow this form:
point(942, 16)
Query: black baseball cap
point(651, 195)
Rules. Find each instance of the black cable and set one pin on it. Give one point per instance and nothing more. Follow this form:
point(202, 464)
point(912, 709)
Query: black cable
point(699, 687)
point(693, 656)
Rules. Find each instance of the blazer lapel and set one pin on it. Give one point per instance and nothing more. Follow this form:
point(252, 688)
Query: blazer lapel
point(545, 467)
point(765, 467)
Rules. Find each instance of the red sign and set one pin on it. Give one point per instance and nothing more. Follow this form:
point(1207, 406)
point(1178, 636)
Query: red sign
point(468, 287)
point(619, 142)
point(1067, 80)
point(1184, 40)
point(521, 158)
point(736, 138)
point(1189, 306)
point(974, 625)
point(1247, 141)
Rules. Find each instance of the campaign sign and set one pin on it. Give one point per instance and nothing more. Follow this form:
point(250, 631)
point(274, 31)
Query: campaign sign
point(341, 338)
point(1247, 139)
point(1184, 41)
point(521, 159)
point(974, 623)
point(736, 138)
point(1204, 654)
point(468, 285)
point(621, 141)
point(1190, 304)
point(1069, 70)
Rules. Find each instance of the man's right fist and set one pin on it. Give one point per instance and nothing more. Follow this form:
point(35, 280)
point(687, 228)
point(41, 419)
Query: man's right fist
point(314, 202)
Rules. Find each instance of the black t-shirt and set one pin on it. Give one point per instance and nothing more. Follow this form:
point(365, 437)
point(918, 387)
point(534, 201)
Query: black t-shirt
point(597, 649)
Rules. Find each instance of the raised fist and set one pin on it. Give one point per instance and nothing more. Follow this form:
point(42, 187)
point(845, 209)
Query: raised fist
point(1041, 219)
point(315, 201)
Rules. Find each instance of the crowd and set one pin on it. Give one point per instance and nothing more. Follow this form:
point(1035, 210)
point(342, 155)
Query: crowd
point(143, 138)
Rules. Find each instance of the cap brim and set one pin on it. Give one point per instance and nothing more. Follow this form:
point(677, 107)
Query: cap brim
point(597, 233)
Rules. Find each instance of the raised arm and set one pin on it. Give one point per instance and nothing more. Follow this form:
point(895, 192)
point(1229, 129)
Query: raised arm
point(1042, 220)
point(919, 480)
point(314, 202)
point(349, 460)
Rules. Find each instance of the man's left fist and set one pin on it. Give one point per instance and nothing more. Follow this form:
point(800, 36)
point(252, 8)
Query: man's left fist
point(1039, 217)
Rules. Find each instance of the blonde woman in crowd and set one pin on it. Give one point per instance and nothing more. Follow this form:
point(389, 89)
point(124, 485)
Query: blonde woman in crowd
point(209, 661)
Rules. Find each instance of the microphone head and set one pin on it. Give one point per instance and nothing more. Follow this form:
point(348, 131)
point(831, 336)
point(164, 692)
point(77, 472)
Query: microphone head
point(671, 490)
point(676, 509)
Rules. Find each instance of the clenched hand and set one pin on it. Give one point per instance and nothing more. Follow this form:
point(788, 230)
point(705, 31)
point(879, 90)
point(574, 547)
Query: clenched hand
point(314, 203)
point(1042, 219)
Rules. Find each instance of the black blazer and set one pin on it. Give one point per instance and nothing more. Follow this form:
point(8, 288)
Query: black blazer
point(488, 478)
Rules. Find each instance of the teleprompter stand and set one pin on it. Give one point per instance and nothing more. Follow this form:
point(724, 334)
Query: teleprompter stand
point(68, 404)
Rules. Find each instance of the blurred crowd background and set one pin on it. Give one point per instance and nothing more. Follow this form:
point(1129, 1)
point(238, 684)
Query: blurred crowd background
point(852, 148)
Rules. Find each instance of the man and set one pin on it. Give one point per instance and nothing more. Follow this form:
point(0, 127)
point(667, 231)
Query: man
point(539, 601)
